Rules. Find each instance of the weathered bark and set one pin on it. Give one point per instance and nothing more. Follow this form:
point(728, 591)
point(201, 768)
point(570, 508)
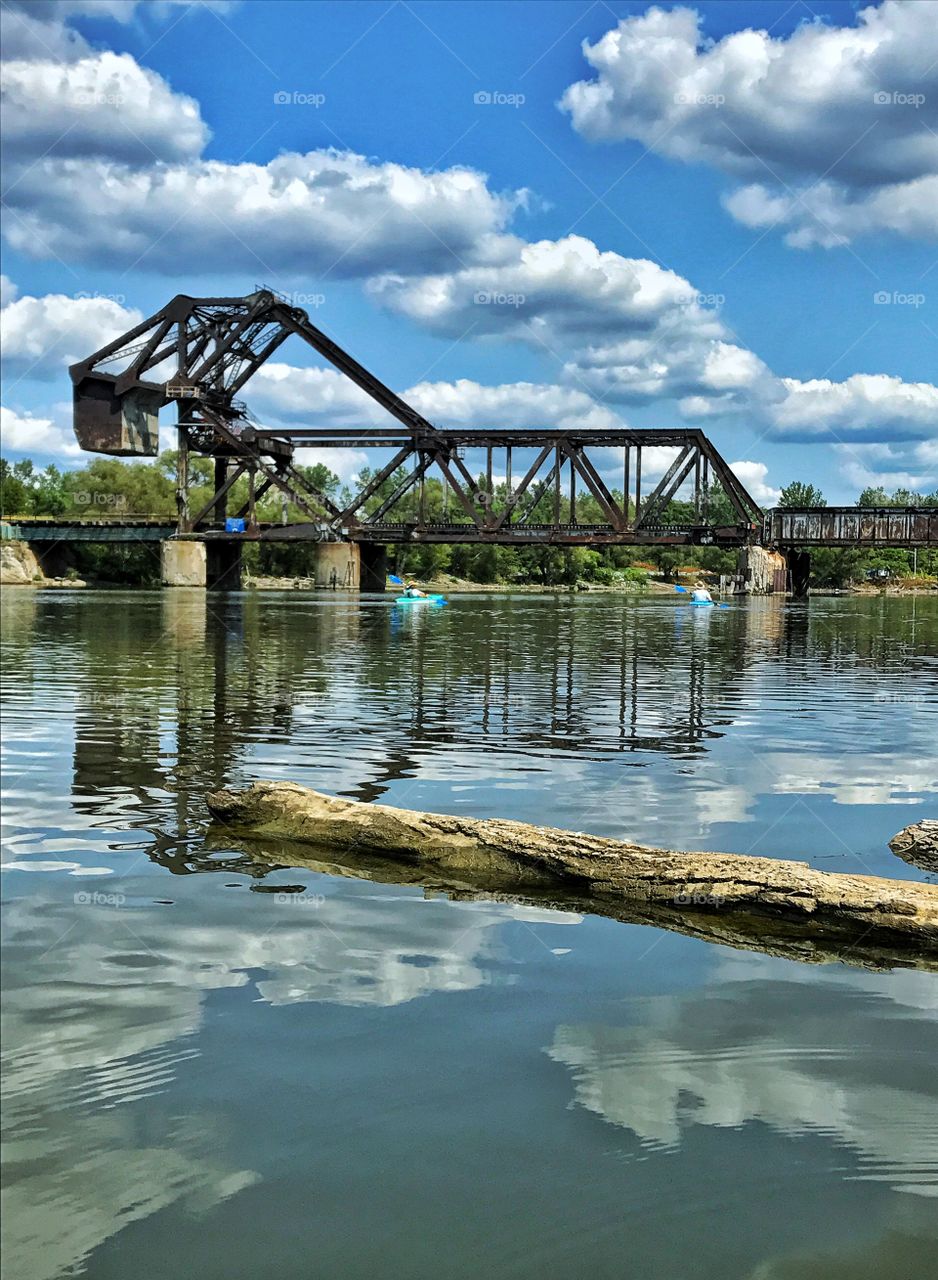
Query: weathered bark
point(918, 844)
point(784, 907)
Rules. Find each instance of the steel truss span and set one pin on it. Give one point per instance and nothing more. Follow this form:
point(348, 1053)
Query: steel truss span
point(531, 486)
point(201, 352)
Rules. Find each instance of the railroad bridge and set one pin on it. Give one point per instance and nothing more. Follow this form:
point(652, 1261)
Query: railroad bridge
point(553, 487)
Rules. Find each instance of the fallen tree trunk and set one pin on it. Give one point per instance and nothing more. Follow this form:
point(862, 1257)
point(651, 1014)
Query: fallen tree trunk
point(747, 901)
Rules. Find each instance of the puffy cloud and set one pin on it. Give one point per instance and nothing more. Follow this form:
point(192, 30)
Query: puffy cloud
point(861, 406)
point(24, 433)
point(631, 332)
point(39, 28)
point(550, 287)
point(828, 215)
point(324, 212)
point(753, 475)
point(890, 467)
point(104, 104)
point(325, 396)
point(628, 330)
point(854, 109)
point(41, 335)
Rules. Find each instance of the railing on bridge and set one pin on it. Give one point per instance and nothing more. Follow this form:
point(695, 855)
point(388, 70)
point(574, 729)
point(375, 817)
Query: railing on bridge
point(851, 527)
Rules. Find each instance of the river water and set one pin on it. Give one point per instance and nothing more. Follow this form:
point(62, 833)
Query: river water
point(216, 1069)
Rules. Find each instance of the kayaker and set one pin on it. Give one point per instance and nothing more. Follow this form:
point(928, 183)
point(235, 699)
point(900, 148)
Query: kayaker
point(700, 594)
point(412, 592)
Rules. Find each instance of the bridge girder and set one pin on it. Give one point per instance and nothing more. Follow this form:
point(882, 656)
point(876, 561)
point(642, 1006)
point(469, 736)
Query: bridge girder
point(201, 352)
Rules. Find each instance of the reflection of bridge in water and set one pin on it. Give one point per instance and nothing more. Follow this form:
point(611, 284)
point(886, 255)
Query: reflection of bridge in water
point(227, 698)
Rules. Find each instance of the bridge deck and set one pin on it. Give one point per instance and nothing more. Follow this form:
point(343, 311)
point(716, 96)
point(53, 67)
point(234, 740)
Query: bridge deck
point(783, 527)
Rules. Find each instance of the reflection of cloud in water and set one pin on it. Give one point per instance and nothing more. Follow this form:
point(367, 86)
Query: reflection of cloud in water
point(795, 1058)
point(354, 958)
point(852, 779)
point(104, 1013)
point(91, 1178)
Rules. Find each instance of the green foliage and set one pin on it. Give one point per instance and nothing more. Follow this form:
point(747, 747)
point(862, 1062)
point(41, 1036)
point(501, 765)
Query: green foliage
point(901, 498)
point(799, 494)
point(110, 487)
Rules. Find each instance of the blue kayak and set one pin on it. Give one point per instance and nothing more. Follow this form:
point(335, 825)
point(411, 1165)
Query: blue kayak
point(420, 600)
point(703, 604)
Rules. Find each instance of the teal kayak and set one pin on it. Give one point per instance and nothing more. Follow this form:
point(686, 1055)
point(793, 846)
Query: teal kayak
point(420, 600)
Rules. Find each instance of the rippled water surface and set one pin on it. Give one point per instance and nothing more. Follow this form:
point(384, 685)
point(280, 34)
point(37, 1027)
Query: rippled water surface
point(217, 1069)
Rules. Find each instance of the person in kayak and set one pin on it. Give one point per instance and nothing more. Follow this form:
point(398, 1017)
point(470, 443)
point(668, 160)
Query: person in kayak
point(412, 592)
point(700, 594)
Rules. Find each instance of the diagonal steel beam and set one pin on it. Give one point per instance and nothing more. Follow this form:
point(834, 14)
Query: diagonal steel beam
point(406, 484)
point(443, 461)
point(377, 481)
point(662, 491)
point(522, 487)
point(596, 485)
point(676, 483)
point(538, 492)
point(222, 429)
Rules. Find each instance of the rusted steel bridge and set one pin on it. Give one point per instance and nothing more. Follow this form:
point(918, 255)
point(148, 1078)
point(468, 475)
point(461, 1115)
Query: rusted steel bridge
point(531, 486)
point(200, 353)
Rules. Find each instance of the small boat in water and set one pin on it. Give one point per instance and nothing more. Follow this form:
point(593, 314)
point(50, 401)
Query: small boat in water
point(431, 599)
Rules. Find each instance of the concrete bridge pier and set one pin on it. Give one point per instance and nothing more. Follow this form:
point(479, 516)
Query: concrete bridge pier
point(350, 566)
point(215, 566)
point(183, 564)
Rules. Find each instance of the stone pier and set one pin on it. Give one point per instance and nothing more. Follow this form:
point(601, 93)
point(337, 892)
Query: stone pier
point(338, 565)
point(183, 564)
point(763, 572)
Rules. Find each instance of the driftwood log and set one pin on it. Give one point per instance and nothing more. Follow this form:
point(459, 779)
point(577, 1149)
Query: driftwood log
point(780, 907)
point(918, 844)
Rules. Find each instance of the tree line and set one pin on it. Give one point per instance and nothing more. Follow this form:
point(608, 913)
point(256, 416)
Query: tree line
point(109, 487)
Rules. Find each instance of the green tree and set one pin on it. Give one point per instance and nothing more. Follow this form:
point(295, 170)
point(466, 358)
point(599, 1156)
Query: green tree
point(799, 494)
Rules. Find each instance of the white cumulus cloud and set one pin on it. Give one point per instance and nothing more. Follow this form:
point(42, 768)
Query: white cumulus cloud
point(323, 212)
point(104, 104)
point(754, 478)
point(26, 433)
point(40, 336)
point(835, 127)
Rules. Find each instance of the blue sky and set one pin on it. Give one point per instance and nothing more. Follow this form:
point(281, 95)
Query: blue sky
point(722, 216)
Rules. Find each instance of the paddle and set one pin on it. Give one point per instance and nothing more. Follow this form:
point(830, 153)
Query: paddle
point(681, 591)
